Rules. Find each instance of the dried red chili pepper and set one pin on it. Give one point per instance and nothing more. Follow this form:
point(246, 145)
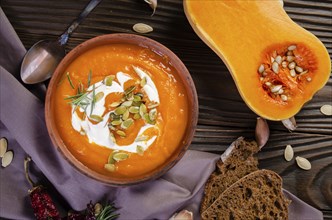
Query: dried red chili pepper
point(41, 202)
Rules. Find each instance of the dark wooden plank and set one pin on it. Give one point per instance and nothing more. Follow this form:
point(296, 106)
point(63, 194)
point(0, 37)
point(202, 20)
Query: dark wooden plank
point(223, 114)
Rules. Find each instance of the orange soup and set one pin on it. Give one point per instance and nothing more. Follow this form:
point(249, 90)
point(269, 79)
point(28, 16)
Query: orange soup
point(121, 109)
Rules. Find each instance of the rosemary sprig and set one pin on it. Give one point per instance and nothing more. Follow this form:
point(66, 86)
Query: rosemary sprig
point(93, 101)
point(69, 79)
point(108, 213)
point(89, 78)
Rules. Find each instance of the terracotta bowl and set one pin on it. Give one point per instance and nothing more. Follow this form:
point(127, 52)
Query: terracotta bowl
point(129, 39)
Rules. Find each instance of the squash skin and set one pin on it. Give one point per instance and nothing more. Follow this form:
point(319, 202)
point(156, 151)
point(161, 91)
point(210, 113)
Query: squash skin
point(239, 32)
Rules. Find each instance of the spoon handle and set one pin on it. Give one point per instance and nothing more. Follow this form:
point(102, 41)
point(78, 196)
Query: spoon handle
point(65, 36)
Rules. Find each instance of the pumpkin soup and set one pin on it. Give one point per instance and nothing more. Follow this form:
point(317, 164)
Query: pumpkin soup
point(121, 109)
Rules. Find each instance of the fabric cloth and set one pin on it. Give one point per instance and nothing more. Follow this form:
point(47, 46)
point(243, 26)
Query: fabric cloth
point(23, 124)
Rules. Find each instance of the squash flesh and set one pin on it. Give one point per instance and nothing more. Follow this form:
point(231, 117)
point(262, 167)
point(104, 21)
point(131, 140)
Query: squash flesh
point(240, 31)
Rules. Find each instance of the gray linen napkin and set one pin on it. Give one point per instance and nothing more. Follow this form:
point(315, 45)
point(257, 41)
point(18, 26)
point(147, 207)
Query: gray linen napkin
point(22, 123)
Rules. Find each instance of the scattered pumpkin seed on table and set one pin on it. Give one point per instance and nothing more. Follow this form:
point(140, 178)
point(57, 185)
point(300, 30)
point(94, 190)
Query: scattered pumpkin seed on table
point(7, 158)
point(142, 28)
point(326, 110)
point(289, 153)
point(303, 163)
point(3, 146)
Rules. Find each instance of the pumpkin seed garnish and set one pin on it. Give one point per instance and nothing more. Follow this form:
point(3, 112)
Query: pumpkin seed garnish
point(142, 28)
point(153, 105)
point(96, 118)
point(288, 153)
point(125, 115)
point(140, 150)
point(127, 103)
point(120, 110)
point(153, 114)
point(115, 104)
point(7, 158)
point(133, 109)
point(326, 110)
point(130, 89)
point(143, 82)
point(137, 98)
point(3, 146)
point(303, 163)
point(116, 122)
point(112, 138)
point(99, 96)
point(110, 159)
point(142, 110)
point(130, 96)
point(121, 133)
point(119, 156)
point(141, 138)
point(110, 167)
point(109, 80)
point(127, 123)
point(137, 116)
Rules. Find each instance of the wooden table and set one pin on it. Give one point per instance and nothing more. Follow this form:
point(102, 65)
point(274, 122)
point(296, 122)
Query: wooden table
point(223, 115)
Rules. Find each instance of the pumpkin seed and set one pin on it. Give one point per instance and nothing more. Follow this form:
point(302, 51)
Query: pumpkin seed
point(115, 104)
point(290, 123)
point(303, 163)
point(290, 58)
point(110, 126)
point(268, 84)
point(3, 146)
point(140, 150)
point(139, 94)
point(120, 110)
point(292, 72)
point(272, 59)
point(153, 105)
point(153, 114)
point(284, 98)
point(137, 116)
point(326, 110)
point(299, 69)
point(125, 115)
point(127, 123)
point(292, 47)
point(110, 159)
point(141, 138)
point(264, 74)
point(108, 80)
point(127, 103)
point(276, 88)
point(304, 72)
point(261, 78)
point(142, 109)
point(308, 79)
point(261, 69)
point(275, 67)
point(148, 119)
point(143, 82)
point(114, 116)
point(121, 133)
point(112, 138)
point(7, 158)
point(110, 167)
point(280, 91)
point(142, 28)
point(130, 96)
point(99, 96)
point(137, 104)
point(116, 122)
point(288, 153)
point(133, 109)
point(290, 53)
point(96, 118)
point(119, 156)
point(292, 65)
point(137, 98)
point(284, 64)
point(278, 59)
point(130, 89)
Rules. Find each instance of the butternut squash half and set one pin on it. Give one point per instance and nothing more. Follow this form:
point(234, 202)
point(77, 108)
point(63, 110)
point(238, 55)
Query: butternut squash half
point(277, 65)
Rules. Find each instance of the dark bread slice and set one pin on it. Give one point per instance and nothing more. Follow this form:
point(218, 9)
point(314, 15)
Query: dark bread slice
point(238, 162)
point(256, 196)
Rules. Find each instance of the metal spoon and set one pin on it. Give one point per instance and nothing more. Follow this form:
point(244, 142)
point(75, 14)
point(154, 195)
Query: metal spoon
point(43, 57)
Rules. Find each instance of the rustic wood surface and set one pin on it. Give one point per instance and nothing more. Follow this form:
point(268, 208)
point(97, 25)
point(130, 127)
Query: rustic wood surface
point(223, 114)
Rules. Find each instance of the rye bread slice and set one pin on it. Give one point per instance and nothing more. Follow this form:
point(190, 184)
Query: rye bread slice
point(237, 161)
point(256, 196)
